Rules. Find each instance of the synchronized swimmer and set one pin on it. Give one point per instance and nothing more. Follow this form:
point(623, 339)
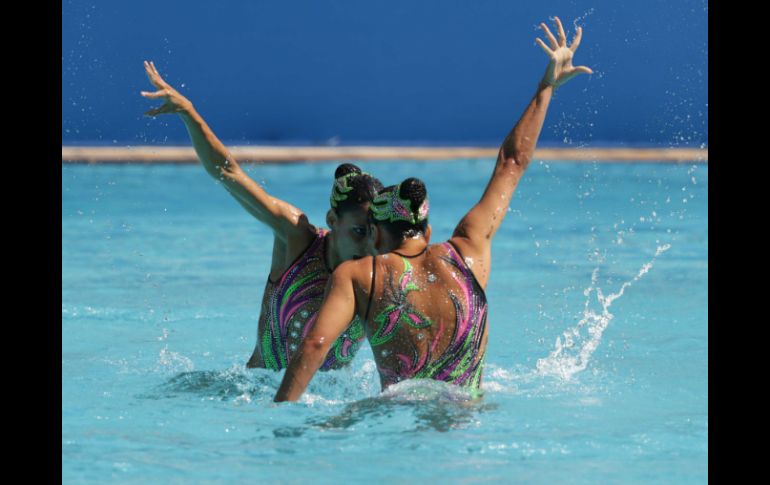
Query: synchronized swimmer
point(304, 255)
point(374, 273)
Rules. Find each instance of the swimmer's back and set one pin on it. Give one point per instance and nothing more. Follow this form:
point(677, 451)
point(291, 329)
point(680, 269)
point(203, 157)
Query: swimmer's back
point(426, 316)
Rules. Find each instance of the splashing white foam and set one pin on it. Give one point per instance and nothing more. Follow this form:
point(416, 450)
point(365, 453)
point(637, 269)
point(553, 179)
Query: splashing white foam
point(573, 349)
point(415, 390)
point(311, 399)
point(172, 361)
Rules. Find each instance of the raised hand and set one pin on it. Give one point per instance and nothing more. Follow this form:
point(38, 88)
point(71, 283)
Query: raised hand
point(173, 101)
point(560, 68)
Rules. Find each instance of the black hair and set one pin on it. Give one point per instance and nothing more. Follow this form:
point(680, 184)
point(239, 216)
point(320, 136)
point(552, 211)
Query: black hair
point(364, 188)
point(411, 189)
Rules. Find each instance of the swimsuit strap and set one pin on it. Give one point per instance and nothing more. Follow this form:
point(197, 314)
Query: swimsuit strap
point(414, 255)
point(459, 253)
point(371, 290)
point(457, 250)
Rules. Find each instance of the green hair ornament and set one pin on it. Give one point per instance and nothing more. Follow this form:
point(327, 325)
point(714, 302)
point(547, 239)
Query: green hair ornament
point(341, 188)
point(389, 206)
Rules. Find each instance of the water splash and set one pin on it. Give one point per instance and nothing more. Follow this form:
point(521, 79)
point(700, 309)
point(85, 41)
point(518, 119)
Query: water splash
point(416, 390)
point(342, 385)
point(581, 20)
point(572, 354)
point(169, 361)
point(236, 384)
point(420, 404)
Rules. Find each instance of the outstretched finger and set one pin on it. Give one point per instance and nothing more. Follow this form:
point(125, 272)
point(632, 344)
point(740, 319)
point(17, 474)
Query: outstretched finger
point(150, 68)
point(545, 47)
point(153, 76)
point(156, 94)
point(576, 40)
point(584, 69)
point(562, 35)
point(158, 77)
point(551, 38)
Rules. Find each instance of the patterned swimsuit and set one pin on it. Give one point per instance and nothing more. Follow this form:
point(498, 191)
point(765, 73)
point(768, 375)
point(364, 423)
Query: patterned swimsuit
point(290, 308)
point(461, 361)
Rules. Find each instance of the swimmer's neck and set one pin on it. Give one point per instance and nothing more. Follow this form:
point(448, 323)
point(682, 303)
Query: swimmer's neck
point(407, 246)
point(331, 255)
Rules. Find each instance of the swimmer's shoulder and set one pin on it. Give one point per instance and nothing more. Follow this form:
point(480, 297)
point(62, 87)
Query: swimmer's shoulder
point(359, 271)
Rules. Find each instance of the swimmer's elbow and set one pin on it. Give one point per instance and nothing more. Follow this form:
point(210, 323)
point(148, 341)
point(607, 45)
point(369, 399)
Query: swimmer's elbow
point(315, 347)
point(514, 157)
point(227, 171)
point(518, 161)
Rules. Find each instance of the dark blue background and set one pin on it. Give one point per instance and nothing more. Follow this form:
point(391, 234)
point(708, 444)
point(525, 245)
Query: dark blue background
point(397, 71)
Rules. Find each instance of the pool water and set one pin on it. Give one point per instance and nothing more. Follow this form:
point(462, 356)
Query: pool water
point(597, 363)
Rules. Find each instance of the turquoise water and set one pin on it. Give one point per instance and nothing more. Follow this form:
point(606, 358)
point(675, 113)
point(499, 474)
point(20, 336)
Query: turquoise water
point(597, 365)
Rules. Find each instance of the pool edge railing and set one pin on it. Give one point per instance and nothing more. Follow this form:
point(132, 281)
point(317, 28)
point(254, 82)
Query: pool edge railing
point(282, 154)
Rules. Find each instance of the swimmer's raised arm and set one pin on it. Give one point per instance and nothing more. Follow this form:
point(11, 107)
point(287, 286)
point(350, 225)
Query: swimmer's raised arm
point(334, 317)
point(475, 231)
point(283, 218)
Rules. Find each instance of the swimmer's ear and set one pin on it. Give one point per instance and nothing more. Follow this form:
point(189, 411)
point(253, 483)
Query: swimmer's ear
point(331, 218)
point(428, 231)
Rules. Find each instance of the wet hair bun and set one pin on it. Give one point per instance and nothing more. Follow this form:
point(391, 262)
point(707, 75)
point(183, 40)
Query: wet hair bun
point(414, 190)
point(345, 169)
point(352, 187)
